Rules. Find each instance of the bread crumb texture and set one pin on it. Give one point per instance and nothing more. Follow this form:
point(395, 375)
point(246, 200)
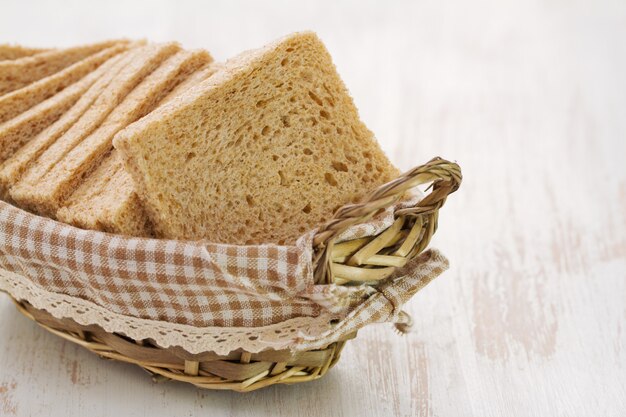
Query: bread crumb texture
point(107, 201)
point(266, 149)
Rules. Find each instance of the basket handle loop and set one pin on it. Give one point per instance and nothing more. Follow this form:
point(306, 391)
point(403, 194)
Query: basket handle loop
point(445, 177)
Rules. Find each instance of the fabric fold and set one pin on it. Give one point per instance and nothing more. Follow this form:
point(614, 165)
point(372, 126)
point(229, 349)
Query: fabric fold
point(138, 287)
point(298, 334)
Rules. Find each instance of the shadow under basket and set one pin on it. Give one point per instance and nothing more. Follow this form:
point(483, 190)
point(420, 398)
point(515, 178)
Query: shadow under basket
point(363, 261)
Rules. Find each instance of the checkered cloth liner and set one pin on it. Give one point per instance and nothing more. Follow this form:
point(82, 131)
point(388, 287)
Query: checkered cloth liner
point(196, 283)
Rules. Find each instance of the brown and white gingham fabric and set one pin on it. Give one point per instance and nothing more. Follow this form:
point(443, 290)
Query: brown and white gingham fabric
point(192, 283)
point(385, 304)
point(175, 281)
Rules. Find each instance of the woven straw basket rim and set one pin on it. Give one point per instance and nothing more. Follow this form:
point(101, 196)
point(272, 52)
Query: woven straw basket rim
point(362, 261)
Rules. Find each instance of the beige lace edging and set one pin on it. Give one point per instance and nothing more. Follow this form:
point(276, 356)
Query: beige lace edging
point(284, 335)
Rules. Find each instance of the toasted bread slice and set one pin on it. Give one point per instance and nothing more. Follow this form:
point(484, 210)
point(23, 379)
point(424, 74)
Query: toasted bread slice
point(50, 192)
point(9, 52)
point(18, 101)
point(107, 200)
point(137, 65)
point(25, 157)
point(16, 131)
point(19, 130)
point(260, 152)
point(20, 72)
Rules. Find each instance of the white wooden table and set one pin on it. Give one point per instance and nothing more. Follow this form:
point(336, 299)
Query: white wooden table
point(529, 97)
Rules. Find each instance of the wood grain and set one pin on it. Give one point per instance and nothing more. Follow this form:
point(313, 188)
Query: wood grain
point(529, 97)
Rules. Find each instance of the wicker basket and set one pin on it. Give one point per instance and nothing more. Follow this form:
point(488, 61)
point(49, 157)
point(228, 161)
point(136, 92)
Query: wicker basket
point(363, 261)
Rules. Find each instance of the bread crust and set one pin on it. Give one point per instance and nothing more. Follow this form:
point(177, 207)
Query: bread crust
point(9, 52)
point(25, 158)
point(18, 101)
point(43, 188)
point(15, 74)
point(107, 199)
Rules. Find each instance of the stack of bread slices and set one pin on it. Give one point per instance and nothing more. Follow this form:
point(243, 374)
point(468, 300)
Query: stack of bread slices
point(152, 140)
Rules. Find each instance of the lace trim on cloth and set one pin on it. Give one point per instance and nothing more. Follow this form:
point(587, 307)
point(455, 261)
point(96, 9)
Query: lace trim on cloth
point(194, 340)
point(300, 333)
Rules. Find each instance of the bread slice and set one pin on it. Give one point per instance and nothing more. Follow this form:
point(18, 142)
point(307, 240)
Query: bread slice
point(191, 81)
point(119, 84)
point(18, 101)
point(20, 72)
point(19, 130)
point(48, 195)
point(107, 200)
point(137, 64)
point(260, 152)
point(12, 169)
point(8, 52)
